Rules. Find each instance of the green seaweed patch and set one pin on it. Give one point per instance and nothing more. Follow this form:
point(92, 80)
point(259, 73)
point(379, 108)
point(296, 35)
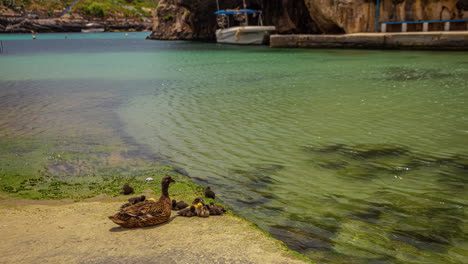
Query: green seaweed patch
point(34, 169)
point(21, 160)
point(50, 187)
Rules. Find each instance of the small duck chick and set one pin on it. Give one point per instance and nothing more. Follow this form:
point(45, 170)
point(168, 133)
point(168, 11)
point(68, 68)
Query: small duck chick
point(209, 193)
point(137, 199)
point(133, 200)
point(216, 209)
point(197, 201)
point(178, 205)
point(205, 211)
point(127, 189)
point(202, 210)
point(188, 212)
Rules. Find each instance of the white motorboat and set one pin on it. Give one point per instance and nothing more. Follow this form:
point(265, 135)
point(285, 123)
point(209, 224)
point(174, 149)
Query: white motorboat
point(92, 27)
point(250, 35)
point(243, 33)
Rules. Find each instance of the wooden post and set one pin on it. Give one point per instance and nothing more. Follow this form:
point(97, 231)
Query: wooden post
point(425, 27)
point(447, 26)
point(383, 28)
point(404, 27)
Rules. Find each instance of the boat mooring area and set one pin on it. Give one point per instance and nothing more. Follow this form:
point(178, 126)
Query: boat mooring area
point(454, 40)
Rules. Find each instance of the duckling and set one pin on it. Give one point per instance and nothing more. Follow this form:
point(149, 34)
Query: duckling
point(202, 210)
point(209, 193)
point(176, 206)
point(216, 209)
point(133, 200)
point(137, 199)
point(205, 211)
point(197, 201)
point(188, 212)
point(127, 189)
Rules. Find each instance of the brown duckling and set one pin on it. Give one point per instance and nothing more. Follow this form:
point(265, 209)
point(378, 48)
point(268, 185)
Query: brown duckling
point(127, 189)
point(202, 210)
point(216, 209)
point(176, 206)
point(188, 212)
point(134, 200)
point(197, 201)
point(137, 199)
point(209, 193)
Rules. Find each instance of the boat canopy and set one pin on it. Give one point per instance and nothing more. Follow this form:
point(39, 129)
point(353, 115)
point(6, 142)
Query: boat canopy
point(235, 12)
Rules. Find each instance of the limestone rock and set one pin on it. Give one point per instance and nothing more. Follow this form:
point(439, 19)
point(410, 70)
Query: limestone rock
point(195, 19)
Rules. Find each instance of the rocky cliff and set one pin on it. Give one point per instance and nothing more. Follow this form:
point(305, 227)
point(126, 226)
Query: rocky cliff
point(195, 19)
point(27, 25)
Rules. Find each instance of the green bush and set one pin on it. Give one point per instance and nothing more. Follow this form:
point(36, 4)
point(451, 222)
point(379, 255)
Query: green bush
point(95, 9)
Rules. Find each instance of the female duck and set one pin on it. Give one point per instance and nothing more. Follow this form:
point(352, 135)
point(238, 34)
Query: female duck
point(147, 213)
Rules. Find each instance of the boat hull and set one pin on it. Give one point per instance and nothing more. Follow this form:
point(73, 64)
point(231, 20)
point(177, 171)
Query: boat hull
point(247, 35)
point(88, 30)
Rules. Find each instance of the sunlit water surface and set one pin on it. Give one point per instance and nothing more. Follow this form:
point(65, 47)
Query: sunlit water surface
point(348, 156)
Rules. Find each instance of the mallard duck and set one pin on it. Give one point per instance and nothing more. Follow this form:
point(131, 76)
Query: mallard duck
point(188, 212)
point(209, 193)
point(178, 205)
point(147, 213)
point(133, 200)
point(127, 189)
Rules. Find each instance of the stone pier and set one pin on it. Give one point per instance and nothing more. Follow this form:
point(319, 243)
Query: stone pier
point(454, 40)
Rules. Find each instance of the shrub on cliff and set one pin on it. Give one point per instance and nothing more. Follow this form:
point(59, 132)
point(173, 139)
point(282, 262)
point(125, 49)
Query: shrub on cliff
point(95, 9)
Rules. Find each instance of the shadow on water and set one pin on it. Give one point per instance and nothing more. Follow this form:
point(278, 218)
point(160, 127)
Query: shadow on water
point(299, 239)
point(258, 177)
point(427, 222)
point(368, 161)
point(409, 74)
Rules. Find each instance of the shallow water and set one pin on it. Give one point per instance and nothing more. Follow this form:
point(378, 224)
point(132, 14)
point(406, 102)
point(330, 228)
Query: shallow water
point(349, 156)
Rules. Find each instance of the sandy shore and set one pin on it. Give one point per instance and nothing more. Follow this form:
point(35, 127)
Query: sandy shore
point(68, 232)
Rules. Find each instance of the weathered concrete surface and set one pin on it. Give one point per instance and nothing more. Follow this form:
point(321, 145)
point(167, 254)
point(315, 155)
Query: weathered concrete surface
point(67, 232)
point(457, 40)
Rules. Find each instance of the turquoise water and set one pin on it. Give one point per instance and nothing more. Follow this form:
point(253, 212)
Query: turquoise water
point(349, 156)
